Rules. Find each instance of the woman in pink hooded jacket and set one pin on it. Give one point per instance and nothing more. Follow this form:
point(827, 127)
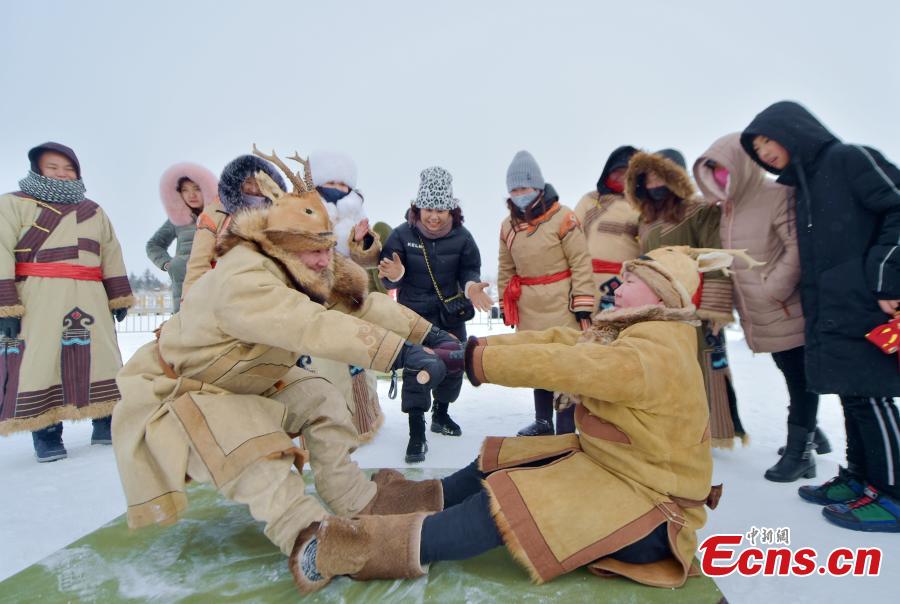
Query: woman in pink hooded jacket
point(758, 215)
point(184, 190)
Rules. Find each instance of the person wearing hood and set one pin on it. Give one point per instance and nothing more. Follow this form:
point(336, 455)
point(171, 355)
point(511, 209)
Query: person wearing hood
point(624, 496)
point(238, 190)
point(545, 277)
point(848, 229)
point(334, 175)
point(673, 213)
point(431, 259)
point(610, 225)
point(62, 286)
point(217, 398)
point(185, 189)
point(758, 216)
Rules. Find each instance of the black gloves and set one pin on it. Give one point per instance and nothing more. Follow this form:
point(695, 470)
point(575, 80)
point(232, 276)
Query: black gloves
point(414, 358)
point(119, 314)
point(437, 336)
point(10, 327)
point(583, 315)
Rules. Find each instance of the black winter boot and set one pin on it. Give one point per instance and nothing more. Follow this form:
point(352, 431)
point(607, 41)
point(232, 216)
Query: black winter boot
point(538, 427)
point(48, 444)
point(418, 446)
point(820, 441)
point(441, 422)
point(102, 433)
point(798, 458)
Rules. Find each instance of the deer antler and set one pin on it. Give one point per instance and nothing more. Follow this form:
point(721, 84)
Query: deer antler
point(307, 170)
point(299, 186)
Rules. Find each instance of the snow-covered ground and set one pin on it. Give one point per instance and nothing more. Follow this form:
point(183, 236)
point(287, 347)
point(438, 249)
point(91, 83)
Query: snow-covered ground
point(47, 506)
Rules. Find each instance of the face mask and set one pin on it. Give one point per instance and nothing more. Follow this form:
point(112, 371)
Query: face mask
point(523, 201)
point(331, 195)
point(720, 175)
point(253, 201)
point(616, 186)
point(658, 193)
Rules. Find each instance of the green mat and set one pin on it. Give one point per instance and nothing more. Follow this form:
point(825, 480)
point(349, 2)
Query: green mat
point(218, 553)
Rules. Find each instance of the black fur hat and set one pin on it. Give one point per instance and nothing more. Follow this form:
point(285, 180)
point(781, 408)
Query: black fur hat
point(234, 174)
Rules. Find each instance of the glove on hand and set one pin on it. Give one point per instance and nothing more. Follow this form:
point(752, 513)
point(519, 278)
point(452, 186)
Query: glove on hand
point(120, 314)
point(10, 327)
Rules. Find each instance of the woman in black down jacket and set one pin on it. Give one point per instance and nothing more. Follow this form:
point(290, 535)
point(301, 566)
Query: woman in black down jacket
point(434, 222)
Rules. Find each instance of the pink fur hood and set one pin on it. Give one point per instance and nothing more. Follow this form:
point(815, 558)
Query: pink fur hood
point(178, 212)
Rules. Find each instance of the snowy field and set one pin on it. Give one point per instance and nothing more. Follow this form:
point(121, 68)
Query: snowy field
point(45, 507)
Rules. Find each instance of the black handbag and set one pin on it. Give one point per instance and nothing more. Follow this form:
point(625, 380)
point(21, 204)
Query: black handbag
point(455, 310)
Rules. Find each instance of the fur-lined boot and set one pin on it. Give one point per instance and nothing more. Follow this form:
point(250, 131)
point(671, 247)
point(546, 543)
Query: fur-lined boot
point(397, 495)
point(367, 547)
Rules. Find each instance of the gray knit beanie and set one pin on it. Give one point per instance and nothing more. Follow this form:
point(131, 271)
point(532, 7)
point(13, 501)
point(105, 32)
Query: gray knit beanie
point(435, 190)
point(524, 172)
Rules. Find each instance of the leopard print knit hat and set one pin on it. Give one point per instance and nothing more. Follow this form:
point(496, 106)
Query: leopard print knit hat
point(435, 190)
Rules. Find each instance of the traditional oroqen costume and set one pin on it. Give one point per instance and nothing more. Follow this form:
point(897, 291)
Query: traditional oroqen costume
point(217, 397)
point(624, 496)
point(61, 272)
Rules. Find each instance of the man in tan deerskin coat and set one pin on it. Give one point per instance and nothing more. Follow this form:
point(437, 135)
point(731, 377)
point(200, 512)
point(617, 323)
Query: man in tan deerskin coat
point(218, 397)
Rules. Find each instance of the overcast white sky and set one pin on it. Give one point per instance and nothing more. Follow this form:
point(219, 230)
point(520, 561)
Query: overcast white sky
point(134, 87)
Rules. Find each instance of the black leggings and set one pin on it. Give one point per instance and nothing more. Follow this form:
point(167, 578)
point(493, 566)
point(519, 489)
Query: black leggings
point(466, 528)
point(804, 405)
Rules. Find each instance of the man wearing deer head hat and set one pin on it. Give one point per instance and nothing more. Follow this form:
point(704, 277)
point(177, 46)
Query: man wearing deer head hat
point(623, 496)
point(62, 279)
point(218, 397)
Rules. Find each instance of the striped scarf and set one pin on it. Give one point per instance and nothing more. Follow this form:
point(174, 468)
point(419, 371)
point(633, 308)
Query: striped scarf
point(52, 190)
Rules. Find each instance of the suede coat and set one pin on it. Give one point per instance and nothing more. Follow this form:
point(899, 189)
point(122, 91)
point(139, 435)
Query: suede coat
point(232, 346)
point(610, 225)
point(758, 216)
point(641, 456)
point(212, 221)
point(64, 362)
point(699, 228)
point(549, 244)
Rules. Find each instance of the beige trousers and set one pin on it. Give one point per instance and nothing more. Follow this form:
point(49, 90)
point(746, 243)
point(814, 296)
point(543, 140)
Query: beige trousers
point(274, 491)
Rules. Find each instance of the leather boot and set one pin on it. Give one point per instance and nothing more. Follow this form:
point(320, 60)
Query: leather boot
point(417, 446)
point(821, 442)
point(798, 457)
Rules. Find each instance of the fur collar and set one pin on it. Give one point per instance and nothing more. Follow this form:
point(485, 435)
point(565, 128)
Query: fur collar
point(608, 324)
point(675, 177)
point(344, 282)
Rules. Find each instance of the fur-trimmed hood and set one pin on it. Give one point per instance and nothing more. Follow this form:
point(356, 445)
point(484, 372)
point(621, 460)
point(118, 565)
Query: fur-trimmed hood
point(344, 282)
point(234, 174)
point(675, 177)
point(608, 324)
point(179, 213)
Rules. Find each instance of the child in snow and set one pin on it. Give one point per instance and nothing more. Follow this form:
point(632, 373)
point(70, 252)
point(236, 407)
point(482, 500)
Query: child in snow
point(848, 215)
point(623, 496)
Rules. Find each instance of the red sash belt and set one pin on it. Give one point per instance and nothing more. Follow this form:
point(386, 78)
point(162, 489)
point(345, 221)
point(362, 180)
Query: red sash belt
point(699, 293)
point(514, 292)
point(605, 266)
point(59, 270)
